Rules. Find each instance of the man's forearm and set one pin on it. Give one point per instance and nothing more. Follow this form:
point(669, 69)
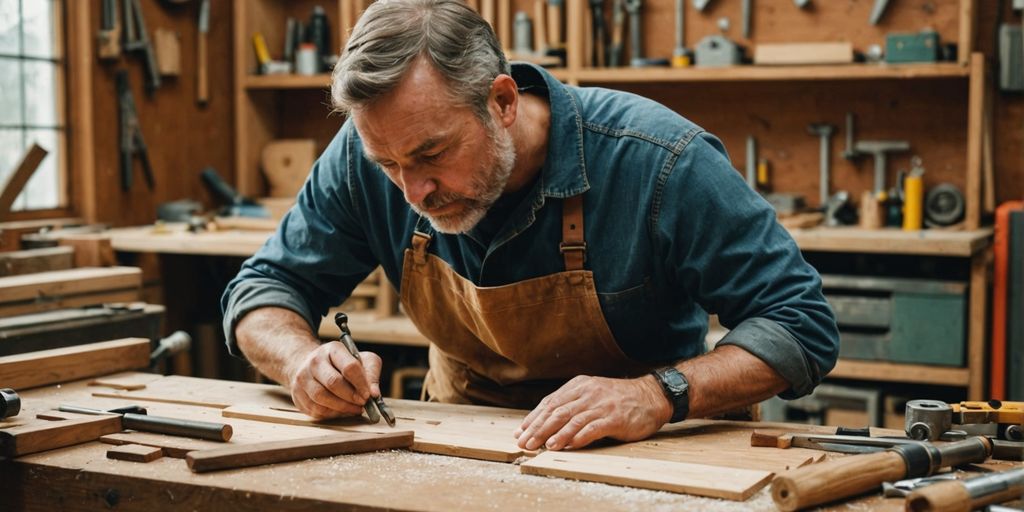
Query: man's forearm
point(274, 340)
point(727, 379)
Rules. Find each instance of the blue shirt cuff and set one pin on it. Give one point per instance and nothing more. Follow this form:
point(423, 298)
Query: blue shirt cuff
point(773, 344)
point(259, 292)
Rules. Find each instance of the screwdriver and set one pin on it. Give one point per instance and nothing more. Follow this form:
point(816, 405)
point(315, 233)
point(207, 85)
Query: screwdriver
point(376, 403)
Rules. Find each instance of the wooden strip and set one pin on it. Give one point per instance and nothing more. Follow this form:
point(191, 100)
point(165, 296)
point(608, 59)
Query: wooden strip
point(66, 364)
point(68, 282)
point(23, 440)
point(682, 477)
point(142, 397)
point(131, 382)
point(247, 455)
point(803, 53)
point(17, 179)
point(75, 301)
point(174, 447)
point(135, 453)
point(36, 260)
point(975, 133)
point(428, 438)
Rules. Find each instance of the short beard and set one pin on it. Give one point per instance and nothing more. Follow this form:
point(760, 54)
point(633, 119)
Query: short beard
point(488, 184)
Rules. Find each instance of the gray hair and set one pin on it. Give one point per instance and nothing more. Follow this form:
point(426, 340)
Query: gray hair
point(391, 34)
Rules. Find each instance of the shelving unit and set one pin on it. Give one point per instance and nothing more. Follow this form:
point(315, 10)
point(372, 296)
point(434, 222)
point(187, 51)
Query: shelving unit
point(270, 107)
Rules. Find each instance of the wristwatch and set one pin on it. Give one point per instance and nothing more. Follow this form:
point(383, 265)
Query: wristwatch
point(677, 389)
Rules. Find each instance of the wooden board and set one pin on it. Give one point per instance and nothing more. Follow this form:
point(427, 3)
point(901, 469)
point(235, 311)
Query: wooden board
point(18, 178)
point(68, 282)
point(135, 453)
point(247, 455)
point(32, 261)
point(803, 53)
point(25, 439)
point(457, 439)
point(66, 364)
point(126, 382)
point(175, 447)
point(683, 477)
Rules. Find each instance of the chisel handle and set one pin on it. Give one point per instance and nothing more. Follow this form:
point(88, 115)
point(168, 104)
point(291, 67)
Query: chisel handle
point(177, 427)
point(836, 479)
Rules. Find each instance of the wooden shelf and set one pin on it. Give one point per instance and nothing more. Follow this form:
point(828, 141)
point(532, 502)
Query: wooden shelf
point(174, 238)
point(773, 73)
point(893, 241)
point(321, 81)
point(893, 372)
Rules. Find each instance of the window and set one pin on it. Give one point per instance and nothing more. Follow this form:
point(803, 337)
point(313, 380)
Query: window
point(31, 97)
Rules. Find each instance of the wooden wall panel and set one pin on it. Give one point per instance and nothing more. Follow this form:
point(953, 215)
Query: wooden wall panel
point(182, 137)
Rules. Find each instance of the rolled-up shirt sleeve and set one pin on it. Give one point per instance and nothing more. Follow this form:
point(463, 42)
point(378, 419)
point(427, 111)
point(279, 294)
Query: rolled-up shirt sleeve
point(317, 256)
point(725, 247)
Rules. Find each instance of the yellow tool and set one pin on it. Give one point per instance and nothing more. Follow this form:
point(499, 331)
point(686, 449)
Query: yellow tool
point(930, 419)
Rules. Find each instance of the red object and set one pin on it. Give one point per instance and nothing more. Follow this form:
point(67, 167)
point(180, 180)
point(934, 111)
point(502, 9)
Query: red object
point(1000, 282)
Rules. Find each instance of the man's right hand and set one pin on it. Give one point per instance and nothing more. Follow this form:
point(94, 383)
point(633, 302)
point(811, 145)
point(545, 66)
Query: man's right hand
point(330, 382)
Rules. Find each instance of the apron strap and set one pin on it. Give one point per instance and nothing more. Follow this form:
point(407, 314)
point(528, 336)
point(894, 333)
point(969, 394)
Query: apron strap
point(420, 240)
point(573, 247)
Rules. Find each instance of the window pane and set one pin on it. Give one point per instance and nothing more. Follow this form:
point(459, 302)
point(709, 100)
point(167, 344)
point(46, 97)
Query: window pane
point(10, 92)
point(40, 93)
point(38, 17)
point(9, 27)
point(11, 151)
point(43, 190)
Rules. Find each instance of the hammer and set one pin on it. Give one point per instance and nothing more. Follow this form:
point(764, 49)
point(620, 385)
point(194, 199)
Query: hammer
point(841, 478)
point(135, 418)
point(879, 149)
point(824, 133)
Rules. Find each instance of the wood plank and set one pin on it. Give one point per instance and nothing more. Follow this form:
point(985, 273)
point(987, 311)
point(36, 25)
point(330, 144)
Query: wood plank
point(66, 364)
point(84, 182)
point(784, 54)
point(73, 301)
point(26, 439)
point(130, 382)
point(91, 249)
point(975, 133)
point(69, 282)
point(174, 238)
point(36, 260)
point(977, 321)
point(768, 73)
point(893, 372)
point(682, 477)
point(893, 241)
point(19, 177)
point(458, 440)
point(135, 453)
point(172, 446)
point(258, 454)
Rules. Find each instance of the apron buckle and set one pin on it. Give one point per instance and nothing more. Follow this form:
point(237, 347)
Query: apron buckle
point(581, 246)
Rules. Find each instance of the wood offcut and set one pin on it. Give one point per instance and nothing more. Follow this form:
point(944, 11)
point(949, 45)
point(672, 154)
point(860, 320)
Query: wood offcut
point(273, 452)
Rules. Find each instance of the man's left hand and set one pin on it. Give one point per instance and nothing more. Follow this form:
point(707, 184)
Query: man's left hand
point(586, 409)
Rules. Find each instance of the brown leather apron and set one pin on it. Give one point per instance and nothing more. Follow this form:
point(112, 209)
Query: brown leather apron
point(511, 345)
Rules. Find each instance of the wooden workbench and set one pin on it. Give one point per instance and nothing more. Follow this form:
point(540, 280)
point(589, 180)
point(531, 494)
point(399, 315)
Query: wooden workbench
point(82, 478)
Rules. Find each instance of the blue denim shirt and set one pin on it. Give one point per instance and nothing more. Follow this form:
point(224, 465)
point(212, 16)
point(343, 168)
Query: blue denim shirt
point(673, 233)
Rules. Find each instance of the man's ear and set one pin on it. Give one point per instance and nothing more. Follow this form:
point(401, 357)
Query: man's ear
point(504, 100)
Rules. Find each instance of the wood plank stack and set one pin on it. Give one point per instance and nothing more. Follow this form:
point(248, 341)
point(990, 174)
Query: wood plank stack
point(45, 291)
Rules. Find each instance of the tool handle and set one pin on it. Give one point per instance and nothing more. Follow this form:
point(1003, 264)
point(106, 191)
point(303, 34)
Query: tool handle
point(836, 479)
point(941, 497)
point(202, 81)
point(219, 187)
point(177, 427)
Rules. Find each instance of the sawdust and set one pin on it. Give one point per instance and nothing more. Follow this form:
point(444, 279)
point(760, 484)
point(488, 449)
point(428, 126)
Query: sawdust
point(504, 483)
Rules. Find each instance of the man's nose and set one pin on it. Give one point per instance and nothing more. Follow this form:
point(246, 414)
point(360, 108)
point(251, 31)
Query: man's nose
point(417, 187)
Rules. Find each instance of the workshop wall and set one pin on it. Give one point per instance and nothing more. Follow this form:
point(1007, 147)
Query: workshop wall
point(182, 138)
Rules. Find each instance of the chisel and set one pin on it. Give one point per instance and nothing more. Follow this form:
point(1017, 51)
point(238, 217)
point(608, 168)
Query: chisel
point(375, 403)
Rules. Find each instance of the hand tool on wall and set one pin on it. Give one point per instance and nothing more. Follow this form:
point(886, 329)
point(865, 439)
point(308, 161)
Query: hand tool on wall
point(880, 149)
point(841, 478)
point(136, 39)
point(635, 37)
point(236, 205)
point(597, 21)
point(878, 10)
point(969, 494)
point(751, 167)
point(747, 12)
point(108, 39)
point(930, 419)
point(850, 151)
point(618, 27)
point(10, 403)
point(681, 55)
point(130, 133)
point(824, 133)
point(135, 418)
point(202, 64)
point(377, 402)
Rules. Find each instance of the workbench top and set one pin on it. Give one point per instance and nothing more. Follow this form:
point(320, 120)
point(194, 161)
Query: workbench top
point(81, 477)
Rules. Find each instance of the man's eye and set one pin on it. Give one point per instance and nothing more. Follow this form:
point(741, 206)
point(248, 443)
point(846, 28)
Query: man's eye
point(388, 166)
point(433, 157)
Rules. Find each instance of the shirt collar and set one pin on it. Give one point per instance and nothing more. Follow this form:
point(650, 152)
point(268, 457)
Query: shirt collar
point(564, 171)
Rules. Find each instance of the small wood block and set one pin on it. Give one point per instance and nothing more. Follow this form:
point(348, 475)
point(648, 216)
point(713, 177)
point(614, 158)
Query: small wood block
point(771, 439)
point(256, 454)
point(682, 477)
point(172, 446)
point(803, 53)
point(135, 453)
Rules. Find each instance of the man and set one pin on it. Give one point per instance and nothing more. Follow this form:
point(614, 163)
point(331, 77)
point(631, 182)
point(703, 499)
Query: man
point(561, 247)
